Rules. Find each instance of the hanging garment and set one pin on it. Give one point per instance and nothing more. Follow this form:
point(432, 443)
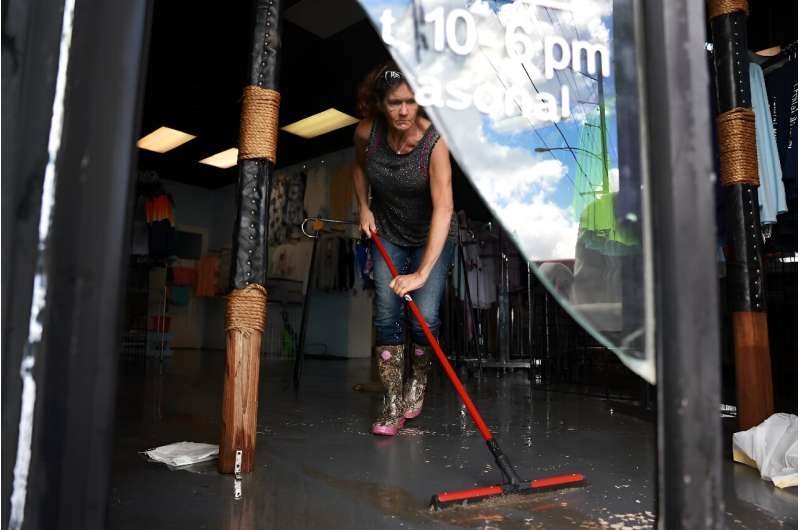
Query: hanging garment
point(771, 194)
point(295, 193)
point(351, 264)
point(160, 215)
point(277, 210)
point(281, 265)
point(781, 84)
point(207, 276)
point(179, 295)
point(290, 261)
point(364, 264)
point(346, 271)
point(161, 239)
point(342, 192)
point(183, 275)
point(160, 208)
point(481, 274)
point(325, 274)
point(342, 278)
point(317, 191)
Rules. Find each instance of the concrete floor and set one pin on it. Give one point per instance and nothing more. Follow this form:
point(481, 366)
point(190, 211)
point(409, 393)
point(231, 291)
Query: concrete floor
point(317, 466)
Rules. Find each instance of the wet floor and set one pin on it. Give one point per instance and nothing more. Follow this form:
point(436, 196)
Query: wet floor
point(318, 467)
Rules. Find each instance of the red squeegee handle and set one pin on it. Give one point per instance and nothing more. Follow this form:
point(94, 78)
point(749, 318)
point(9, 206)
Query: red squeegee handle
point(448, 369)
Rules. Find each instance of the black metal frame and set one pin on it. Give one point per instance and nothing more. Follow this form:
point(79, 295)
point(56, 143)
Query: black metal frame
point(686, 286)
point(781, 296)
point(30, 53)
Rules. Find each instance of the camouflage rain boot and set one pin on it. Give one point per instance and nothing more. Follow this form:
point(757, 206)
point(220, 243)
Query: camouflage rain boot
point(390, 370)
point(414, 393)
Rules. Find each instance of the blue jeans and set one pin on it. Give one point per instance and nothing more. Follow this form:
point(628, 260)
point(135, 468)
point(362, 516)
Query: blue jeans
point(389, 315)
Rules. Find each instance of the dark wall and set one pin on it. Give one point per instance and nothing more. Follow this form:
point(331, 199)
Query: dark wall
point(771, 23)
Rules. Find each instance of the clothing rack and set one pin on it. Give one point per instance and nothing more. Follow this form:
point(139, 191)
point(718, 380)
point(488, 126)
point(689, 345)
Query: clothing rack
point(470, 314)
point(150, 337)
point(507, 318)
point(317, 226)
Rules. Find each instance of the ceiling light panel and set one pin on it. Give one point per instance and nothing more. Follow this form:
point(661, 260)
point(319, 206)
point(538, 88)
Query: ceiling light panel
point(319, 124)
point(223, 159)
point(164, 139)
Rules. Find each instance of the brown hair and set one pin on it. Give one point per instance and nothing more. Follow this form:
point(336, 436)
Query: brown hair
point(373, 88)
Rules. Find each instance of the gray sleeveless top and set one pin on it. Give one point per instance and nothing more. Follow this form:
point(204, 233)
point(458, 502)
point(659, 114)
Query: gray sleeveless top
point(399, 185)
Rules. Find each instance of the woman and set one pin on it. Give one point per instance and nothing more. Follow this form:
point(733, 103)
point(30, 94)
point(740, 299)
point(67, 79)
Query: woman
point(405, 166)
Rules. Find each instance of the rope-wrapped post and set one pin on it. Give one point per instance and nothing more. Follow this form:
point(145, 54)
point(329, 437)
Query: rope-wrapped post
point(739, 176)
point(246, 314)
point(244, 323)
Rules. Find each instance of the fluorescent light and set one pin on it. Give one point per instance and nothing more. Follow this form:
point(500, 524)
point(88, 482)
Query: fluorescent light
point(318, 124)
point(223, 159)
point(164, 139)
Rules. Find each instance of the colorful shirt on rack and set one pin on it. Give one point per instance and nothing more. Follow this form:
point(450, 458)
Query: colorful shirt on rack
point(159, 208)
point(286, 211)
point(160, 216)
point(207, 276)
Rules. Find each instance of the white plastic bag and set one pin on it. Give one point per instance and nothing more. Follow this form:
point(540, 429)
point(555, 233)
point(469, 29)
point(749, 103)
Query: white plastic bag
point(770, 447)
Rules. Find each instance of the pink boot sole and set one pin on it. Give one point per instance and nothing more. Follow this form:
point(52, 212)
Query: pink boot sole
point(412, 414)
point(388, 430)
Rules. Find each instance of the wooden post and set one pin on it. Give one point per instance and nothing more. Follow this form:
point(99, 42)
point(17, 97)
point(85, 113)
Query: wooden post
point(739, 176)
point(246, 313)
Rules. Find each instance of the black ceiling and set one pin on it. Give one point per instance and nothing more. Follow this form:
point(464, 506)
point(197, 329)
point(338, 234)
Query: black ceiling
point(197, 69)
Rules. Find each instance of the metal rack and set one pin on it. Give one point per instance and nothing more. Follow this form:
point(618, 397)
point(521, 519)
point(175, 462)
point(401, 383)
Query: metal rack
point(317, 227)
point(146, 334)
point(507, 351)
point(158, 341)
point(527, 328)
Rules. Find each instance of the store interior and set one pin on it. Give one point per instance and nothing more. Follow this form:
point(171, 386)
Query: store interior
point(558, 397)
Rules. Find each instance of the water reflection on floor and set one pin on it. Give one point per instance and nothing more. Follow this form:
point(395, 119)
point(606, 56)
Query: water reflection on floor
point(319, 468)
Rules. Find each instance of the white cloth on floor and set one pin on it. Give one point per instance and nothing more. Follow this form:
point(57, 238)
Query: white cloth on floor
point(183, 453)
point(771, 447)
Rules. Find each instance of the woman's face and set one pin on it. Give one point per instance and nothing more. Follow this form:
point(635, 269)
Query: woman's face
point(400, 107)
